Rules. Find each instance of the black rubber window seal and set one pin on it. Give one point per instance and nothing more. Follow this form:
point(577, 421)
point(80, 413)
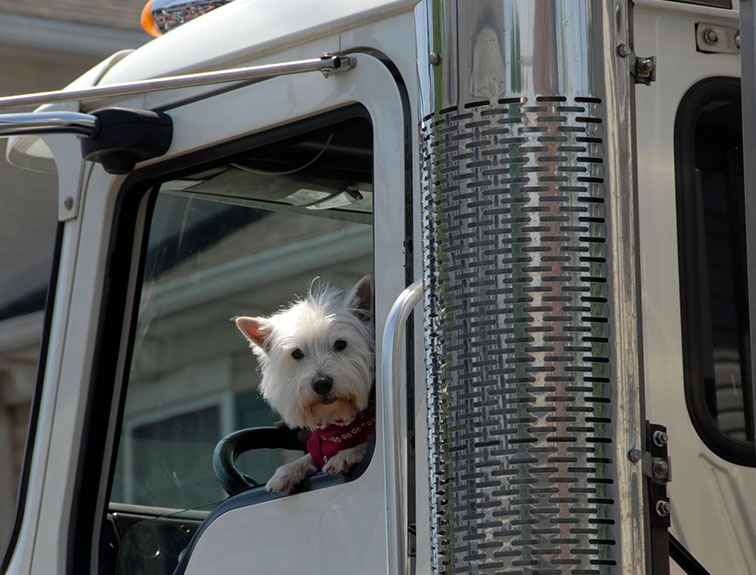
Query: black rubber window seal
point(692, 104)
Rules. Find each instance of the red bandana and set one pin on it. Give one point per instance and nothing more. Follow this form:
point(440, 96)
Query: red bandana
point(329, 440)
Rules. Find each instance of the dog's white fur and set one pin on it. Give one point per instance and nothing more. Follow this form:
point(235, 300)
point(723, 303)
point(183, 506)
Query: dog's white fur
point(313, 325)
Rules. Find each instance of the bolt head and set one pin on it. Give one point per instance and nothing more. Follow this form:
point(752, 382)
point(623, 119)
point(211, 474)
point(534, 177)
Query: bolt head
point(710, 36)
point(68, 203)
point(660, 438)
point(646, 66)
point(663, 508)
point(661, 468)
point(434, 58)
point(737, 40)
point(635, 455)
point(624, 50)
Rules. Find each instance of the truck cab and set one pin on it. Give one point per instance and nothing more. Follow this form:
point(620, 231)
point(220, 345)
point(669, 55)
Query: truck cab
point(551, 199)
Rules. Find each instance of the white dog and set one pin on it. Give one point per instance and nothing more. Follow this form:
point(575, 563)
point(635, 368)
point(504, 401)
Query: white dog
point(317, 363)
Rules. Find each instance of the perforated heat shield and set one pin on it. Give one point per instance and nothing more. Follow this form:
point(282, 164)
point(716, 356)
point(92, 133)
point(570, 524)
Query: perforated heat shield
point(530, 308)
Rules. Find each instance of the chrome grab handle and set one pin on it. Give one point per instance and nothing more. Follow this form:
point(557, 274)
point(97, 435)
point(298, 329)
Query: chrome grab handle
point(396, 530)
point(327, 64)
point(49, 123)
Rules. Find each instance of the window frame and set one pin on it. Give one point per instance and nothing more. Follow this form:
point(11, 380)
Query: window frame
point(686, 121)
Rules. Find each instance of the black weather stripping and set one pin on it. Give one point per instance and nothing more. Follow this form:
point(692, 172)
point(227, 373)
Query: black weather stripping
point(126, 137)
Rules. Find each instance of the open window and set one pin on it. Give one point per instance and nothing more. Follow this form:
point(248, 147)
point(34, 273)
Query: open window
point(239, 236)
point(713, 268)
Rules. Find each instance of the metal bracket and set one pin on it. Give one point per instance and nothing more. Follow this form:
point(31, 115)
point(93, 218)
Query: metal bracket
point(656, 468)
point(333, 64)
point(717, 39)
point(658, 474)
point(642, 69)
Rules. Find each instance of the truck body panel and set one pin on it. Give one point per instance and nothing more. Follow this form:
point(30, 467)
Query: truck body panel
point(144, 371)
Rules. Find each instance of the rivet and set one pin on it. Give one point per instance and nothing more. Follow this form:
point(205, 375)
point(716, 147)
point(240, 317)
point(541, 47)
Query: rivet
point(624, 50)
point(737, 40)
point(434, 58)
point(68, 203)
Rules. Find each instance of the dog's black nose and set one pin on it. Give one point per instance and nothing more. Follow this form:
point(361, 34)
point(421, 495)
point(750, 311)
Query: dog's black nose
point(322, 385)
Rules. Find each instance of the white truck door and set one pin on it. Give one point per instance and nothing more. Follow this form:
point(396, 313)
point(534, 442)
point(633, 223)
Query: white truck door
point(266, 188)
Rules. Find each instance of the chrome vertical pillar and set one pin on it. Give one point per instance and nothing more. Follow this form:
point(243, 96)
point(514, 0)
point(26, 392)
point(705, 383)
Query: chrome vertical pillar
point(531, 305)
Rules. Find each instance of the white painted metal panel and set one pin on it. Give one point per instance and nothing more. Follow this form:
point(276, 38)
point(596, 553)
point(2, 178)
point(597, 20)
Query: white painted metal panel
point(712, 511)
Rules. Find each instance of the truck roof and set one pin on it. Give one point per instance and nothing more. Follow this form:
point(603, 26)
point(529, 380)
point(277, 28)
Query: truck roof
point(238, 33)
point(245, 30)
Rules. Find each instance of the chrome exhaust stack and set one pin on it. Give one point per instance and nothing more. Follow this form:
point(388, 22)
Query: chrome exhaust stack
point(531, 294)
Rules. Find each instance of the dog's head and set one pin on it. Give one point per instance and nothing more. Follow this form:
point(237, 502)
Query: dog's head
point(316, 355)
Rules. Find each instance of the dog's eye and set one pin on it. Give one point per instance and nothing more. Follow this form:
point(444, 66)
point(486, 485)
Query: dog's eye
point(339, 345)
point(297, 354)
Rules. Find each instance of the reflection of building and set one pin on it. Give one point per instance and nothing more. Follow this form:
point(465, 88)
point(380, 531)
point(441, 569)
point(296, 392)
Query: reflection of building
point(44, 45)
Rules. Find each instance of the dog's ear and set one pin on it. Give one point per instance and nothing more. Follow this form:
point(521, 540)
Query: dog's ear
point(360, 298)
point(256, 330)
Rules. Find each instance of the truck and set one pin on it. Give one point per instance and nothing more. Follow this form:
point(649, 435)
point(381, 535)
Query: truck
point(553, 197)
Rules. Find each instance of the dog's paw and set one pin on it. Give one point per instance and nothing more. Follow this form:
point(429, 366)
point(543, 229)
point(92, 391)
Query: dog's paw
point(288, 476)
point(282, 482)
point(343, 461)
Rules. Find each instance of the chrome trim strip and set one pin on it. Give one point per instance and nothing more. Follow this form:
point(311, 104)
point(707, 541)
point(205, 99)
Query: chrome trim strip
point(396, 517)
point(325, 64)
point(49, 123)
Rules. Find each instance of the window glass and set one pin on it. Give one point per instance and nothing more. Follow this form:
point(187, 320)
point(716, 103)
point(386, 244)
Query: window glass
point(242, 238)
point(720, 185)
point(714, 269)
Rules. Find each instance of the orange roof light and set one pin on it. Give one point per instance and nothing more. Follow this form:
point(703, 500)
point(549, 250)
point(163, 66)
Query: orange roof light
point(148, 24)
point(160, 16)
